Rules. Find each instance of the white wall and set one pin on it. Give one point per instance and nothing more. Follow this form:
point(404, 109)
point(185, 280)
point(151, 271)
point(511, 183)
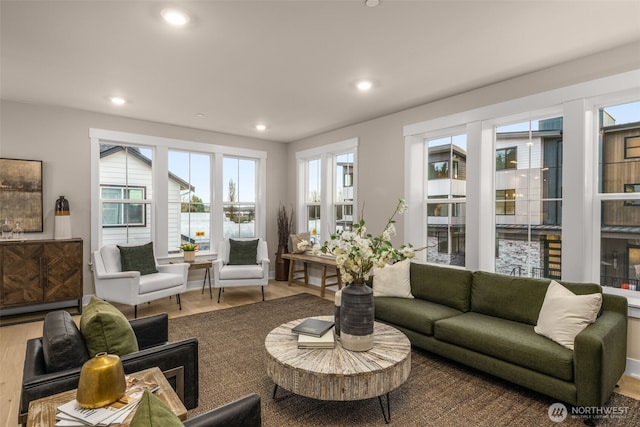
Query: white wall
point(60, 138)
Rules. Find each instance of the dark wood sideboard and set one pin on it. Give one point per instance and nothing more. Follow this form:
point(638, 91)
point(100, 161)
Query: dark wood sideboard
point(36, 272)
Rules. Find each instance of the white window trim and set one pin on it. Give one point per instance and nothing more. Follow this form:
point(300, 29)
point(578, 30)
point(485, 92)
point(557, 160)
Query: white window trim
point(327, 155)
point(581, 232)
point(160, 147)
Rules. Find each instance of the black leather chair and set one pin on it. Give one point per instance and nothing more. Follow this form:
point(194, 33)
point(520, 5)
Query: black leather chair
point(177, 360)
point(244, 412)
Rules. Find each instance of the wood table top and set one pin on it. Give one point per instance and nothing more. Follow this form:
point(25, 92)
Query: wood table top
point(338, 374)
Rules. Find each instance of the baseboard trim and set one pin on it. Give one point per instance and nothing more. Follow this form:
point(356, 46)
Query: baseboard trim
point(633, 368)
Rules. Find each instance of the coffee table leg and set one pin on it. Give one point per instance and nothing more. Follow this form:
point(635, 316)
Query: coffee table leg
point(386, 415)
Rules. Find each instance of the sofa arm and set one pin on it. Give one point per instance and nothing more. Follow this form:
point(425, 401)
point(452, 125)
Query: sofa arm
point(599, 358)
point(179, 358)
point(244, 412)
point(151, 331)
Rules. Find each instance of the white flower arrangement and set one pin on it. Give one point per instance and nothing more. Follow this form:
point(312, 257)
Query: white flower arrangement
point(357, 252)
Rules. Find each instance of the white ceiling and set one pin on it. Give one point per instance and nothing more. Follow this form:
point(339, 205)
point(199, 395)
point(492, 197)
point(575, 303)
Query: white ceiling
point(289, 64)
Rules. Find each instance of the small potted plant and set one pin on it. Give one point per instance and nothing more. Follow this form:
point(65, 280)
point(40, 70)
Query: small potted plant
point(189, 251)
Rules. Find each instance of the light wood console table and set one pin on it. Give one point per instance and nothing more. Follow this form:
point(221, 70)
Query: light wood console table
point(306, 259)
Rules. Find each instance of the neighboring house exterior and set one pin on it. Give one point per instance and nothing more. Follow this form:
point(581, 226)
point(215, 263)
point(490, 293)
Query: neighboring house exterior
point(126, 174)
point(528, 185)
point(620, 250)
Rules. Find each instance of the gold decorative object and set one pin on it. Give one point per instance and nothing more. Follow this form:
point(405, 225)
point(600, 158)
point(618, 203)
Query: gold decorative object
point(101, 381)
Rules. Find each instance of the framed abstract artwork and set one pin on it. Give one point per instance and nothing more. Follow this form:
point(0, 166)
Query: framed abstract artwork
point(21, 193)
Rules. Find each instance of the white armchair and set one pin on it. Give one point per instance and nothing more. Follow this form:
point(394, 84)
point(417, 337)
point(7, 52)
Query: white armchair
point(229, 276)
point(131, 288)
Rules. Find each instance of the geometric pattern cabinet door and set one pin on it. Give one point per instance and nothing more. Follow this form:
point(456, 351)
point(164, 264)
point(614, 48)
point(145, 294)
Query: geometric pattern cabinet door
point(21, 274)
point(62, 269)
point(40, 271)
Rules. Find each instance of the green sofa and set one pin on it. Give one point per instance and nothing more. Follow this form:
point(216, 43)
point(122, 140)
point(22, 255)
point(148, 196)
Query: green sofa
point(486, 321)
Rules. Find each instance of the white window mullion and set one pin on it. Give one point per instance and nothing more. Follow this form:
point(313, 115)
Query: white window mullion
point(579, 184)
point(160, 201)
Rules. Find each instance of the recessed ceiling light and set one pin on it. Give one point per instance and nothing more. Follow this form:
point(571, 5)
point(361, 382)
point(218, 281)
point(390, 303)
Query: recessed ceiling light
point(371, 3)
point(199, 115)
point(116, 100)
point(175, 17)
point(364, 85)
point(261, 127)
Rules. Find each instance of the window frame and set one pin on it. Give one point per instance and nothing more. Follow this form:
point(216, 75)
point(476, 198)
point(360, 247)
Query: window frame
point(122, 202)
point(635, 147)
point(578, 104)
point(160, 176)
point(327, 155)
point(507, 164)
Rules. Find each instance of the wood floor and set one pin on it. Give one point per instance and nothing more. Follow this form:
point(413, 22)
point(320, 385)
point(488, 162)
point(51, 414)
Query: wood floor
point(13, 338)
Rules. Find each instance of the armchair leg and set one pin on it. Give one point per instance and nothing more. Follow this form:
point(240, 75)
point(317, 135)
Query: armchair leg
point(135, 311)
point(219, 292)
point(179, 301)
point(262, 287)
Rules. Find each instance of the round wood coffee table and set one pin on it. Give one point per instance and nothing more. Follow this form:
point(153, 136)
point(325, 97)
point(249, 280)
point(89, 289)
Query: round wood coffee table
point(339, 374)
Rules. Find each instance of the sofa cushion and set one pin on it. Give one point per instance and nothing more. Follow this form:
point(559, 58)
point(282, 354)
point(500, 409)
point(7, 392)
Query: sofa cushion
point(158, 282)
point(62, 343)
point(393, 280)
point(104, 328)
point(442, 285)
point(415, 314)
point(564, 314)
point(241, 272)
point(138, 258)
point(152, 412)
point(515, 298)
point(243, 252)
point(506, 340)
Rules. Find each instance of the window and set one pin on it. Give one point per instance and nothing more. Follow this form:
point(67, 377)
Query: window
point(506, 202)
point(619, 194)
point(343, 194)
point(571, 127)
point(122, 214)
point(125, 188)
point(506, 158)
point(162, 190)
point(240, 197)
point(528, 197)
point(327, 189)
point(445, 199)
point(189, 200)
point(439, 170)
point(632, 147)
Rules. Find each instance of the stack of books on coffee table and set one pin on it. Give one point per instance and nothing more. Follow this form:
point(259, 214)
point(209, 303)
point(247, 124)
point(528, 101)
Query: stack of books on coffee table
point(315, 333)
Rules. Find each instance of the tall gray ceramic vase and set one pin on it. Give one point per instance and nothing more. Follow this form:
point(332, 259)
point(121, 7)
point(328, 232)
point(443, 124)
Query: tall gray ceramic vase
point(357, 317)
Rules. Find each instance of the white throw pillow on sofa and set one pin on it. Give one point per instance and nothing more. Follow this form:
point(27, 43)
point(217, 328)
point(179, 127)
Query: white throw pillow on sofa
point(393, 280)
point(564, 314)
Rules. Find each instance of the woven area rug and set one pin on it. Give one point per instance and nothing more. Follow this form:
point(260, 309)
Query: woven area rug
point(437, 393)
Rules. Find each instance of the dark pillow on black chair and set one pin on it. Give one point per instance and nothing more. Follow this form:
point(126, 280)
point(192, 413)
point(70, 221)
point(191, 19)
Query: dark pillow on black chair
point(62, 342)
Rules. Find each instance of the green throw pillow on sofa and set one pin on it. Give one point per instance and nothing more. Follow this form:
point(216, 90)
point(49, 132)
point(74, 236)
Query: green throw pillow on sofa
point(152, 412)
point(138, 258)
point(243, 252)
point(105, 328)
